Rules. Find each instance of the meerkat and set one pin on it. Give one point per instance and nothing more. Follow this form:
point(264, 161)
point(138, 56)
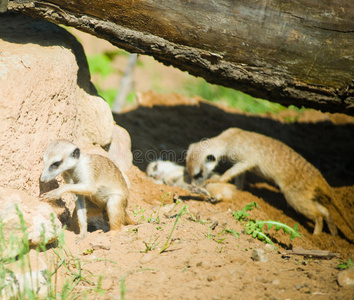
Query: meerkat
point(170, 173)
point(95, 181)
point(167, 172)
point(302, 184)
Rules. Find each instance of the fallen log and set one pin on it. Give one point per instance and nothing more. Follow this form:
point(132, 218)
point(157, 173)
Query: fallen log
point(294, 52)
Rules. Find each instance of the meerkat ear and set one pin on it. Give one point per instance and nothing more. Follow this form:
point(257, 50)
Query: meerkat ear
point(210, 157)
point(76, 153)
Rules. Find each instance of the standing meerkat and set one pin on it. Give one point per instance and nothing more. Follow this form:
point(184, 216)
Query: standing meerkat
point(302, 184)
point(95, 181)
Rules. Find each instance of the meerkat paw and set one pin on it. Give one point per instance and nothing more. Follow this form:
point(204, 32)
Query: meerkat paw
point(80, 238)
point(198, 190)
point(212, 200)
point(51, 195)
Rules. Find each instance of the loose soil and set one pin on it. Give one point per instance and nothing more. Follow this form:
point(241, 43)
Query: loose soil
point(203, 261)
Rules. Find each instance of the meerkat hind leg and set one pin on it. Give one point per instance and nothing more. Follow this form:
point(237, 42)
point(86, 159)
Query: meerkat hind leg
point(326, 215)
point(318, 225)
point(116, 211)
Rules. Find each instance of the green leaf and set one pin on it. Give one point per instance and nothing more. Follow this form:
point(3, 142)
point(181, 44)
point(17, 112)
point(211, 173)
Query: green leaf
point(250, 206)
point(263, 237)
point(242, 214)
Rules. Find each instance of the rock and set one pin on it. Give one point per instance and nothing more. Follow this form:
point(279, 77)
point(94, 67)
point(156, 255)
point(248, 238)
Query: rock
point(46, 94)
point(96, 120)
point(15, 284)
point(120, 149)
point(146, 258)
point(262, 279)
point(258, 255)
point(346, 278)
point(101, 242)
point(269, 247)
point(42, 224)
point(211, 277)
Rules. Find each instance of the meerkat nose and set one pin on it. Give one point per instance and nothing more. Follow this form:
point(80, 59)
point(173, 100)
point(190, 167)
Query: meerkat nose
point(43, 178)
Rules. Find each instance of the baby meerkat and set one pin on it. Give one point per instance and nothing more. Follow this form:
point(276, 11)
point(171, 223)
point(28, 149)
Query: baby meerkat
point(94, 180)
point(170, 173)
point(167, 172)
point(302, 184)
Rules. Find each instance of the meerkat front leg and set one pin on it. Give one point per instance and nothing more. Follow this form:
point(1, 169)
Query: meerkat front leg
point(239, 181)
point(78, 189)
point(236, 170)
point(81, 216)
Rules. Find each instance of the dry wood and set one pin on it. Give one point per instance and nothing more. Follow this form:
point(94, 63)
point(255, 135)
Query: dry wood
point(312, 253)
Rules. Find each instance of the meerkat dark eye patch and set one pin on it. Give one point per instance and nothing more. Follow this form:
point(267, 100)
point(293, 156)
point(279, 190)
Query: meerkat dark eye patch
point(210, 157)
point(76, 153)
point(56, 164)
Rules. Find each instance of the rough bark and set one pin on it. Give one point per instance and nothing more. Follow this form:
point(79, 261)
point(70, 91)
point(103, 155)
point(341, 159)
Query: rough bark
point(294, 52)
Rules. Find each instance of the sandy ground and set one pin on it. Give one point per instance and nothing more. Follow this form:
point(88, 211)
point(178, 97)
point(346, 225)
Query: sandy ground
point(205, 260)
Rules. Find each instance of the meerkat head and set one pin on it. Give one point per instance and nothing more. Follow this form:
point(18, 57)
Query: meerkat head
point(153, 170)
point(159, 168)
point(59, 156)
point(201, 161)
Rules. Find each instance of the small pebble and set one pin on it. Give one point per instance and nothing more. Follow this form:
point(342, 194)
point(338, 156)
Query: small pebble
point(146, 258)
point(101, 242)
point(258, 255)
point(211, 278)
point(261, 279)
point(269, 247)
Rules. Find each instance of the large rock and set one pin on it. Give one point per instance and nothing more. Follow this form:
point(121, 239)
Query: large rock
point(346, 278)
point(120, 149)
point(21, 214)
point(45, 94)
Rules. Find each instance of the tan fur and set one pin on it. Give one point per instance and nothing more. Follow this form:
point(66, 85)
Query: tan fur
point(302, 184)
point(94, 179)
point(222, 191)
